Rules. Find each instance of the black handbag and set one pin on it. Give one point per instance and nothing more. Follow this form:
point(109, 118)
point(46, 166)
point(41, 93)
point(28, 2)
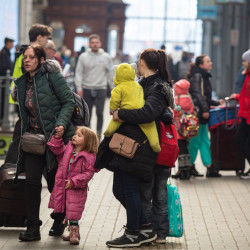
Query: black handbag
point(33, 143)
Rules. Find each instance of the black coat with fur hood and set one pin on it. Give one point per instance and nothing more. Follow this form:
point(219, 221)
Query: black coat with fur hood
point(158, 95)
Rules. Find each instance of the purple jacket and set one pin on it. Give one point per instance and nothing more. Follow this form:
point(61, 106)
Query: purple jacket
point(80, 173)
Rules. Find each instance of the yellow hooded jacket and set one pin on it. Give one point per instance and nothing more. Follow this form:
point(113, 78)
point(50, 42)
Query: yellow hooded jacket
point(128, 94)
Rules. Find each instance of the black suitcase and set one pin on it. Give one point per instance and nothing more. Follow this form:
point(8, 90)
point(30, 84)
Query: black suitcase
point(12, 197)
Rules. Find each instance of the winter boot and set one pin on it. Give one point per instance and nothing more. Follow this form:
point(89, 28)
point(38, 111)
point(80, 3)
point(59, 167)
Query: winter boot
point(59, 224)
point(194, 172)
point(74, 235)
point(212, 172)
point(184, 173)
point(67, 237)
point(33, 231)
point(130, 238)
point(146, 233)
point(177, 175)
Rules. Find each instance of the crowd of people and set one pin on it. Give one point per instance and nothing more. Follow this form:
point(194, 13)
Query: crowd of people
point(74, 154)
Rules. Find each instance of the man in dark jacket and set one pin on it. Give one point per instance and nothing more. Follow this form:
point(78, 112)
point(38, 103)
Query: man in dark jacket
point(5, 64)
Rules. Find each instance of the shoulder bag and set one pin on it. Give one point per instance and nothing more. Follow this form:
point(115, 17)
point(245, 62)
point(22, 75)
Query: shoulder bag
point(33, 143)
point(124, 146)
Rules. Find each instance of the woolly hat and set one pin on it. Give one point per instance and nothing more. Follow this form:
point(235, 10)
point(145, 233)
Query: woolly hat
point(246, 56)
point(181, 87)
point(124, 73)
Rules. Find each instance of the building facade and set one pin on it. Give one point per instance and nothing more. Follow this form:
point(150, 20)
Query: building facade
point(73, 23)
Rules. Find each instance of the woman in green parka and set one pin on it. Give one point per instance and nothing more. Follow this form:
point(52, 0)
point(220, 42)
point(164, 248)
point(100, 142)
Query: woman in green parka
point(45, 108)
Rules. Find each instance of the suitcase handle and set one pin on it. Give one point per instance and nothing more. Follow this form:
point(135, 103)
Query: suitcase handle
point(227, 108)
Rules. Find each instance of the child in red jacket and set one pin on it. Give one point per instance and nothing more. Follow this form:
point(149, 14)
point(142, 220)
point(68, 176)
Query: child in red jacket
point(184, 105)
point(75, 169)
point(243, 133)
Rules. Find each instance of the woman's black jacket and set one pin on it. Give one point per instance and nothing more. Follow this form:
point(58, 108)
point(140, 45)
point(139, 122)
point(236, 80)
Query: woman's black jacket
point(156, 95)
point(201, 91)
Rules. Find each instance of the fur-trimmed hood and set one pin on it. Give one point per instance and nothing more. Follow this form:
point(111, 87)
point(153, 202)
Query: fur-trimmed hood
point(51, 66)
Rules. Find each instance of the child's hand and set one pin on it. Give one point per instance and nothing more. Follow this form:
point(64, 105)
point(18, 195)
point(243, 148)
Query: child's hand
point(59, 131)
point(67, 186)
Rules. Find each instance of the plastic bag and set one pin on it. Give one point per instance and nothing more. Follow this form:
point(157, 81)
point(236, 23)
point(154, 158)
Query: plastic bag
point(174, 212)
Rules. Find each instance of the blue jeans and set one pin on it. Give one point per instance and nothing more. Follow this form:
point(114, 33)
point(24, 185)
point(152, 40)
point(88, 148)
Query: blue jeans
point(126, 190)
point(154, 201)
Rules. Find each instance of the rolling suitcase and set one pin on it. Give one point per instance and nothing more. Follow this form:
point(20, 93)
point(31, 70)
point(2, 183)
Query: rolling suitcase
point(223, 125)
point(12, 198)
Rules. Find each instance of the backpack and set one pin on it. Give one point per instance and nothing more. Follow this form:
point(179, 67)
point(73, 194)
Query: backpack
point(80, 116)
point(188, 126)
point(169, 145)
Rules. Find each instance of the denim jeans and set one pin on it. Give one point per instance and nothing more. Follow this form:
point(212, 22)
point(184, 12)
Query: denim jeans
point(96, 97)
point(154, 201)
point(126, 190)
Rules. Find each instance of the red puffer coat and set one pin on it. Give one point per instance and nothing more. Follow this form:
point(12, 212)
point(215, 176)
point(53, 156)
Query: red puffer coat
point(80, 173)
point(244, 99)
point(182, 99)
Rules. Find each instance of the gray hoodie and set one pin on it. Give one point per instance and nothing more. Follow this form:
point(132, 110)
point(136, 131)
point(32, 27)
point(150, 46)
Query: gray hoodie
point(92, 70)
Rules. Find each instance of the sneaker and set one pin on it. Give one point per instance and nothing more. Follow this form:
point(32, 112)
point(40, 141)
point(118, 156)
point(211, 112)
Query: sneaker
point(128, 239)
point(245, 177)
point(146, 234)
point(160, 240)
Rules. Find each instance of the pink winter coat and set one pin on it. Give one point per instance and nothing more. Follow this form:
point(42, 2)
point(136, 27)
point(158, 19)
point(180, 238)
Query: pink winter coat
point(182, 99)
point(80, 173)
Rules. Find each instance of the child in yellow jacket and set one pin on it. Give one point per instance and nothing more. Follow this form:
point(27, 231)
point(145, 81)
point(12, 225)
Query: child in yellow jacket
point(128, 94)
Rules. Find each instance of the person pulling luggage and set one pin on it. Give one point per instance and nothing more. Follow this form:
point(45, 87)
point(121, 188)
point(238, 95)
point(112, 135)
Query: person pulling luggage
point(243, 133)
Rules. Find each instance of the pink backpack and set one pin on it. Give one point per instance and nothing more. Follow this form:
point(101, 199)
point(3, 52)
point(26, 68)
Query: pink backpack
point(169, 146)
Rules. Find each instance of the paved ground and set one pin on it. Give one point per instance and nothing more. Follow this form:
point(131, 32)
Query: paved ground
point(215, 211)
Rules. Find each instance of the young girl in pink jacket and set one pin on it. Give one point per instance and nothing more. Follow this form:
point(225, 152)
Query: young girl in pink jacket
point(75, 169)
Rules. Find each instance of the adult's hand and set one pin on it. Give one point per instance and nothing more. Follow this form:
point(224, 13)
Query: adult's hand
point(59, 131)
point(222, 101)
point(116, 117)
point(232, 96)
point(205, 115)
point(80, 93)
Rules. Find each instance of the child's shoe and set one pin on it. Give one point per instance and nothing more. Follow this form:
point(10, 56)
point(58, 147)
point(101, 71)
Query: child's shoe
point(67, 238)
point(74, 236)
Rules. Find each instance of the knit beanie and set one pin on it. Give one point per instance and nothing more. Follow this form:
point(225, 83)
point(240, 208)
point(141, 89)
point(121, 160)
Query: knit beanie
point(124, 73)
point(246, 56)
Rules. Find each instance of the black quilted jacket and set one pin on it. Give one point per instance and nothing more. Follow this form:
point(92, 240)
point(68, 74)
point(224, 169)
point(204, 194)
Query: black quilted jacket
point(201, 91)
point(142, 165)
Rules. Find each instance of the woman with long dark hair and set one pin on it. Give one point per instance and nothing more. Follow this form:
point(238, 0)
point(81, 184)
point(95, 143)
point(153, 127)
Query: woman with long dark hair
point(43, 112)
point(201, 91)
point(131, 175)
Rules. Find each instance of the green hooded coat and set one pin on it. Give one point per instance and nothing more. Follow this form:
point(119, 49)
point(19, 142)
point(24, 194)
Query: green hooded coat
point(54, 107)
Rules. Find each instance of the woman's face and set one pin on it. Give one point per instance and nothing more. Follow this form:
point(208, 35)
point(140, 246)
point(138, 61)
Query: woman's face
point(141, 66)
point(30, 61)
point(207, 64)
point(245, 64)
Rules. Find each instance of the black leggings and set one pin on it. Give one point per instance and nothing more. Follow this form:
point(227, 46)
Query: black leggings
point(243, 139)
point(34, 167)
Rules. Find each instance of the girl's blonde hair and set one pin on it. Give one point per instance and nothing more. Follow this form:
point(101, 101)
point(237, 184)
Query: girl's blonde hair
point(91, 141)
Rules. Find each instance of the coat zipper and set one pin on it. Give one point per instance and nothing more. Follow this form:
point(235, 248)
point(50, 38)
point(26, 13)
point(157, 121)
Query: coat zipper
point(39, 113)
